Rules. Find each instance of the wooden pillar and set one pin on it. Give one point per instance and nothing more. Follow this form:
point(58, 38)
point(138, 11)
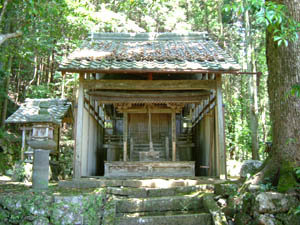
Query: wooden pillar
point(150, 131)
point(220, 139)
point(173, 115)
point(23, 142)
point(167, 148)
point(131, 148)
point(125, 130)
point(63, 84)
point(79, 129)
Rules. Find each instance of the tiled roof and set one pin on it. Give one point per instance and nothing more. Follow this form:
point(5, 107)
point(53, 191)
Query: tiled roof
point(29, 112)
point(149, 52)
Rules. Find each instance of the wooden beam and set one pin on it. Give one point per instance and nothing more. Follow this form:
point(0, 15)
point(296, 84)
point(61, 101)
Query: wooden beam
point(125, 131)
point(173, 121)
point(150, 84)
point(149, 94)
point(220, 143)
point(79, 129)
point(138, 99)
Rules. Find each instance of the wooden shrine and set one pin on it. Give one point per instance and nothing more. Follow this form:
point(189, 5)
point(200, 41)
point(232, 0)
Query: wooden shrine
point(149, 105)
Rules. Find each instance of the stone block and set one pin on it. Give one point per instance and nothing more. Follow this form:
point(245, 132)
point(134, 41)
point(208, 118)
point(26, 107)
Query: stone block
point(273, 202)
point(250, 167)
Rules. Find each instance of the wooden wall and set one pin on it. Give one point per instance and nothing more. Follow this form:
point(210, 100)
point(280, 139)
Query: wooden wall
point(204, 150)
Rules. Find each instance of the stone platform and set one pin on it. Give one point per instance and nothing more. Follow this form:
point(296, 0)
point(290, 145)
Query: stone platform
point(149, 169)
point(139, 182)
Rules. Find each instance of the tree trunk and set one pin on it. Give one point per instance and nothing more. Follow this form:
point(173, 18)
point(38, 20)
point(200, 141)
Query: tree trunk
point(284, 72)
point(5, 101)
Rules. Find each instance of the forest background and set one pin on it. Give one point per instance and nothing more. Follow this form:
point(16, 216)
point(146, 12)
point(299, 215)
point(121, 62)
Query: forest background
point(46, 31)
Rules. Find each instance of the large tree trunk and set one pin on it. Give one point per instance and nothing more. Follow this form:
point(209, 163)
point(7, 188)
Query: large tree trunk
point(284, 72)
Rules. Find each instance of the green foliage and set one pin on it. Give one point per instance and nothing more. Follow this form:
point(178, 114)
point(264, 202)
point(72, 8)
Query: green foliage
point(19, 172)
point(296, 91)
point(272, 16)
point(297, 172)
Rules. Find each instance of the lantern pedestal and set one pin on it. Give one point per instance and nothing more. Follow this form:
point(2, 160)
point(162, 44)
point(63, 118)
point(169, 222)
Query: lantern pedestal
point(40, 169)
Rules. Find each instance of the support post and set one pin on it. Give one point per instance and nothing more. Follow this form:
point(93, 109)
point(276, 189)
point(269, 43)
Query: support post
point(63, 84)
point(150, 131)
point(131, 148)
point(220, 139)
point(173, 115)
point(79, 128)
point(167, 148)
point(125, 129)
point(23, 143)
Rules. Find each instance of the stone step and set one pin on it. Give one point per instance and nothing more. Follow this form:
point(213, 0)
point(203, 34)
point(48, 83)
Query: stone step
point(159, 192)
point(159, 204)
point(177, 219)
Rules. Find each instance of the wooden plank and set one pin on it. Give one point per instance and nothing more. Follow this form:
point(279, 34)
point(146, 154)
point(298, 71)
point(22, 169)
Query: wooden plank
point(173, 121)
point(220, 143)
point(150, 84)
point(79, 129)
point(125, 131)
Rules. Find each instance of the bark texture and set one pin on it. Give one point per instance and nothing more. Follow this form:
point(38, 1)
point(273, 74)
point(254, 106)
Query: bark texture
point(284, 72)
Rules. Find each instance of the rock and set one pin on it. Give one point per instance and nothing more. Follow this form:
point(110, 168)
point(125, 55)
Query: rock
point(249, 167)
point(226, 189)
point(273, 202)
point(253, 188)
point(68, 210)
point(242, 219)
point(267, 219)
point(212, 207)
point(222, 202)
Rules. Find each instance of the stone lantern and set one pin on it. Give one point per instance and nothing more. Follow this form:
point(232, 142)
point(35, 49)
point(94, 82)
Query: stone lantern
point(42, 142)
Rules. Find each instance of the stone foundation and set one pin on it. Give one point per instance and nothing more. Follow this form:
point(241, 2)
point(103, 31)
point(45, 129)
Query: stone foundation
point(150, 169)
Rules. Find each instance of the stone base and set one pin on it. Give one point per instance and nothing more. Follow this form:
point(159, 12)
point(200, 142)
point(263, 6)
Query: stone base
point(149, 169)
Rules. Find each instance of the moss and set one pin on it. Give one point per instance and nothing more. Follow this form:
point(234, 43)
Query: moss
point(287, 180)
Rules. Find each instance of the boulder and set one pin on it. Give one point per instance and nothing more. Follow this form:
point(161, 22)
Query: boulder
point(249, 167)
point(274, 202)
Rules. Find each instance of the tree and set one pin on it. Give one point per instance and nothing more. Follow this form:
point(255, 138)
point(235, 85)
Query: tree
point(4, 37)
point(284, 73)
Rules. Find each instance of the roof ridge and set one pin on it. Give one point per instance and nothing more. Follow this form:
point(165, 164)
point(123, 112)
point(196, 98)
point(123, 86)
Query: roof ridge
point(151, 36)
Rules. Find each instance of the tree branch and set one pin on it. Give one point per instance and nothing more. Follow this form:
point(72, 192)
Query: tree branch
point(4, 37)
point(3, 10)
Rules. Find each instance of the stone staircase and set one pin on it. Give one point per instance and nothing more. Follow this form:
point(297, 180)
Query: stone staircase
point(158, 206)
